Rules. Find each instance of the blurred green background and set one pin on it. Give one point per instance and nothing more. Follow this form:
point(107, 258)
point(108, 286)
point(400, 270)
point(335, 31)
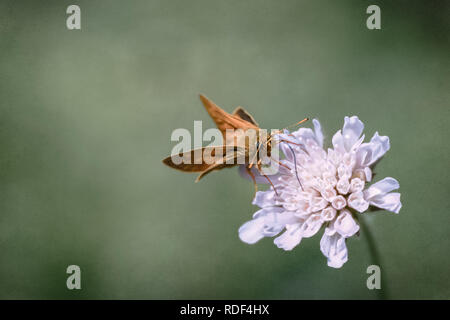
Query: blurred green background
point(86, 117)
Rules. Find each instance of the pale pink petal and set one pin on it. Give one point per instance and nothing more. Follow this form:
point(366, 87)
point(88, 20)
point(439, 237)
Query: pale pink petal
point(381, 187)
point(275, 222)
point(368, 153)
point(264, 198)
point(290, 238)
point(390, 202)
point(343, 185)
point(338, 142)
point(266, 211)
point(311, 226)
point(356, 185)
point(333, 247)
point(339, 202)
point(252, 231)
point(353, 127)
point(328, 213)
point(345, 225)
point(368, 174)
point(318, 132)
point(356, 201)
point(267, 222)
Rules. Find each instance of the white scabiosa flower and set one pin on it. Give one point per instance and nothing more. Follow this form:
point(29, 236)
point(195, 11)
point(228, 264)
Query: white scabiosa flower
point(317, 187)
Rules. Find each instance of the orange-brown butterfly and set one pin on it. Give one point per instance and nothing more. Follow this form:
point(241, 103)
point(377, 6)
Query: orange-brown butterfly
point(238, 143)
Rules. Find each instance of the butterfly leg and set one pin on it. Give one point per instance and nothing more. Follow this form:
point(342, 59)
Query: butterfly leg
point(250, 173)
point(279, 163)
point(274, 189)
point(282, 140)
point(258, 166)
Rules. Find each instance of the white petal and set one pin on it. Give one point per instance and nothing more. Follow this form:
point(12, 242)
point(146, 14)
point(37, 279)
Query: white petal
point(334, 157)
point(328, 193)
point(356, 185)
point(264, 199)
point(318, 203)
point(357, 144)
point(382, 146)
point(289, 149)
point(267, 222)
point(275, 222)
point(318, 132)
point(343, 185)
point(349, 160)
point(338, 202)
point(368, 174)
point(330, 230)
point(290, 238)
point(390, 202)
point(308, 142)
point(333, 247)
point(328, 213)
point(338, 142)
point(252, 231)
point(303, 134)
point(344, 171)
point(353, 127)
point(275, 219)
point(311, 226)
point(266, 211)
point(286, 136)
point(378, 195)
point(381, 187)
point(368, 153)
point(356, 201)
point(345, 225)
point(329, 180)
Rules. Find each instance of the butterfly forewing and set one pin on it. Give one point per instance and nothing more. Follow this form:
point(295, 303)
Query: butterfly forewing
point(225, 121)
point(240, 132)
point(199, 160)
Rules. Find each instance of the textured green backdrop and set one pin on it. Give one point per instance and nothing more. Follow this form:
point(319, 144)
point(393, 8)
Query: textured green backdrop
point(86, 117)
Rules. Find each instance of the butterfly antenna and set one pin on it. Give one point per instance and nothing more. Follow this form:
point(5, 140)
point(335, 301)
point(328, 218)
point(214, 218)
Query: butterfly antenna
point(271, 136)
point(296, 124)
point(290, 126)
point(295, 167)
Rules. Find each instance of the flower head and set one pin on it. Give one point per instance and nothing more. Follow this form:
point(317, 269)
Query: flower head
point(317, 187)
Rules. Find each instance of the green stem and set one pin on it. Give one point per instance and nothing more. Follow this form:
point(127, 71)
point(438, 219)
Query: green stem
point(375, 258)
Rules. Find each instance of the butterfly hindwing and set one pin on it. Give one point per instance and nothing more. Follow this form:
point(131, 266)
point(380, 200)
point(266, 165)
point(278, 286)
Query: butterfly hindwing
point(244, 115)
